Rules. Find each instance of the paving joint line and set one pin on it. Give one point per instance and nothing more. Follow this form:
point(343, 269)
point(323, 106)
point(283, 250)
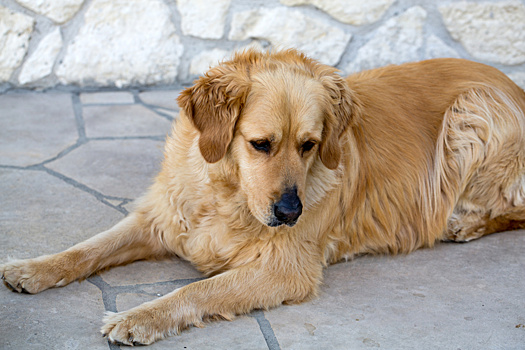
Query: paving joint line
point(136, 96)
point(154, 108)
point(79, 118)
point(15, 167)
point(99, 196)
point(139, 287)
point(110, 293)
point(80, 142)
point(109, 299)
point(38, 166)
point(266, 330)
point(160, 113)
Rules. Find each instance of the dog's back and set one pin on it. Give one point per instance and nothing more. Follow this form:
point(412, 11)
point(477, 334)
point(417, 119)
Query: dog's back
point(441, 152)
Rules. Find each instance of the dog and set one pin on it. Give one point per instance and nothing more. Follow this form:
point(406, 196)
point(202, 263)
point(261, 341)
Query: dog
point(278, 167)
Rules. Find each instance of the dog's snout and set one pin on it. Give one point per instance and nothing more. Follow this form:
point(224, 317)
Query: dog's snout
point(288, 209)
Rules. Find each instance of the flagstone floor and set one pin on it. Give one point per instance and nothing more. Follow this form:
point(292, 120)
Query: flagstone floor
point(71, 165)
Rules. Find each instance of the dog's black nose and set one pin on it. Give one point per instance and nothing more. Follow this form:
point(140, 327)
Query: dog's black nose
point(288, 209)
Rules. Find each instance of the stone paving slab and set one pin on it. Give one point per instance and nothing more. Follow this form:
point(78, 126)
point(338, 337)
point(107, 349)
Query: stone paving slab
point(163, 102)
point(166, 99)
point(123, 121)
point(455, 296)
point(35, 127)
point(117, 168)
point(64, 318)
point(41, 214)
point(111, 98)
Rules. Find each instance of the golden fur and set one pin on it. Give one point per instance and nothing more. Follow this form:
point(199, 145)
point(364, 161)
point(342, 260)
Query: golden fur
point(278, 166)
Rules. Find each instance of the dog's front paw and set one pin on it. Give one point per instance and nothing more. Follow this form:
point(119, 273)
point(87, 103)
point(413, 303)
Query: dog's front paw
point(138, 326)
point(29, 276)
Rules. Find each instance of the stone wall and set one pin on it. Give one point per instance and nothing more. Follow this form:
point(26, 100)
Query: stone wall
point(93, 44)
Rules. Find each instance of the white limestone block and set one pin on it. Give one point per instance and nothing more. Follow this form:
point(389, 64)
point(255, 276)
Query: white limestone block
point(285, 28)
point(203, 18)
point(123, 43)
point(492, 31)
point(40, 63)
point(397, 41)
point(207, 59)
point(211, 58)
point(356, 12)
point(60, 11)
point(15, 31)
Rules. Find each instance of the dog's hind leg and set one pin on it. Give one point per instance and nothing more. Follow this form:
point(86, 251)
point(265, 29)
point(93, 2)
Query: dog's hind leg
point(127, 241)
point(470, 226)
point(485, 149)
point(478, 215)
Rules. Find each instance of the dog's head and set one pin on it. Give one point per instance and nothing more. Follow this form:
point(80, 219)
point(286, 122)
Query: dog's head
point(276, 115)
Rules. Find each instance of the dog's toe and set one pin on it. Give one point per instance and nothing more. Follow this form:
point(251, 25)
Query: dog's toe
point(10, 287)
point(126, 328)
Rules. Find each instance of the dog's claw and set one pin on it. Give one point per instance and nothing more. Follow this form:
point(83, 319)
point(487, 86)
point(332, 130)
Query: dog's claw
point(17, 289)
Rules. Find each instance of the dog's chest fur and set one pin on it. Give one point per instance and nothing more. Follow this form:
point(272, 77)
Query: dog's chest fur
point(204, 217)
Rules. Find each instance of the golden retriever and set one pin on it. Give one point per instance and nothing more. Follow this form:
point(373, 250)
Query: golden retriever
point(278, 166)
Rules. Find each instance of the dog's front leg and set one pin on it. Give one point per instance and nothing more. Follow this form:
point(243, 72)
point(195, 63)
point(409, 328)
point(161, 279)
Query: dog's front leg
point(237, 291)
point(129, 240)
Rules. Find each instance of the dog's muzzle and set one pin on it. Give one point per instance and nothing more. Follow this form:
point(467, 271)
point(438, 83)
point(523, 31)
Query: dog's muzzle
point(287, 210)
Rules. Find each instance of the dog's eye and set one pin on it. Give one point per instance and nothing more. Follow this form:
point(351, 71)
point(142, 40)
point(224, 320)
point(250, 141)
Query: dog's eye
point(261, 145)
point(307, 146)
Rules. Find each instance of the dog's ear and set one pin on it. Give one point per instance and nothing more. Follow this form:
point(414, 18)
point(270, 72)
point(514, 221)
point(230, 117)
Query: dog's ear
point(338, 117)
point(214, 104)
